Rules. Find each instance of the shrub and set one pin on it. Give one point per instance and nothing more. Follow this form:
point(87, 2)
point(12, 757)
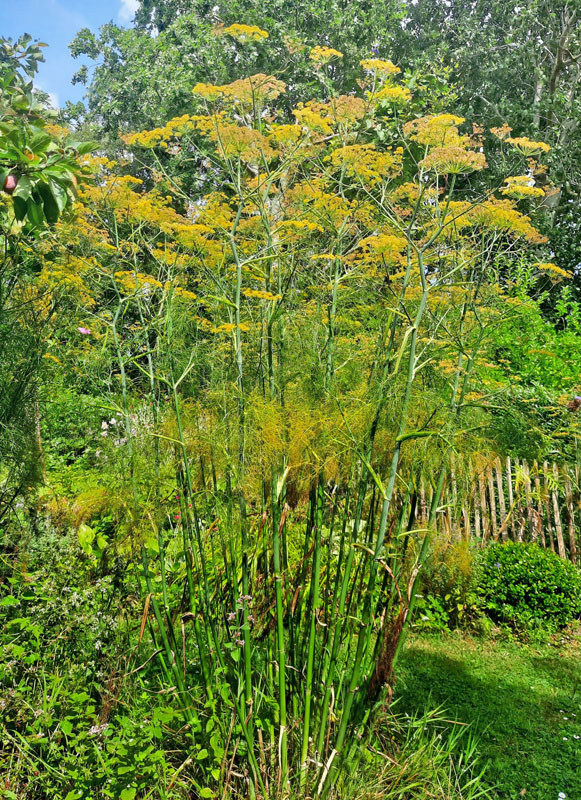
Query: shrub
point(446, 600)
point(524, 585)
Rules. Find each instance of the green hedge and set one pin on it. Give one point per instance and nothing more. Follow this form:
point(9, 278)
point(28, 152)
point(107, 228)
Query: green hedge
point(526, 585)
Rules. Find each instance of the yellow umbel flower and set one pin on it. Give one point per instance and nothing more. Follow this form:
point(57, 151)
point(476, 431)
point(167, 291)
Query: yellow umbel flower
point(260, 295)
point(502, 215)
point(528, 147)
point(246, 33)
point(133, 282)
point(521, 187)
point(453, 160)
point(208, 91)
point(379, 66)
point(384, 248)
point(364, 162)
point(322, 55)
point(436, 130)
point(312, 120)
point(159, 137)
point(502, 132)
point(285, 134)
point(391, 93)
point(254, 89)
point(554, 272)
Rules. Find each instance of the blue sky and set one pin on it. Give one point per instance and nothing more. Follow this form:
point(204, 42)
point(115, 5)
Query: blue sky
point(56, 22)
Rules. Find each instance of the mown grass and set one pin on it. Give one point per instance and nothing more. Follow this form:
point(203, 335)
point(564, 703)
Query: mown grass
point(523, 702)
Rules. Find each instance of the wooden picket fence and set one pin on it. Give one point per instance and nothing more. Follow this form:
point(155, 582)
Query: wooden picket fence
point(511, 500)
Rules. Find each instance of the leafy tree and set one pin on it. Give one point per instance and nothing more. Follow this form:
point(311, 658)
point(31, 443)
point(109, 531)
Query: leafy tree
point(39, 171)
point(517, 64)
point(145, 75)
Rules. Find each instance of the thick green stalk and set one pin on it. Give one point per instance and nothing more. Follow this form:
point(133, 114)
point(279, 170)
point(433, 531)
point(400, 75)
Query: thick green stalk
point(280, 648)
point(315, 579)
point(245, 621)
point(329, 672)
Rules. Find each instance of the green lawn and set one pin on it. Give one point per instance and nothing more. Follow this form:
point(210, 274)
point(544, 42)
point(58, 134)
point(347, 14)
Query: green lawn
point(524, 703)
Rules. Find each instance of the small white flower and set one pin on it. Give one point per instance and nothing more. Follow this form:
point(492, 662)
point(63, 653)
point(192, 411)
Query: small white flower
point(565, 739)
point(562, 796)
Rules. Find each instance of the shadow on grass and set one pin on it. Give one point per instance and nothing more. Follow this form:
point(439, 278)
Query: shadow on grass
point(513, 699)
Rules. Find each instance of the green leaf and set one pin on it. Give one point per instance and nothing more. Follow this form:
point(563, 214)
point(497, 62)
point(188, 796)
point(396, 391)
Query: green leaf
point(67, 727)
point(19, 208)
point(59, 193)
point(206, 792)
point(128, 794)
point(23, 188)
point(86, 536)
point(50, 205)
point(83, 148)
point(202, 754)
point(35, 212)
point(9, 600)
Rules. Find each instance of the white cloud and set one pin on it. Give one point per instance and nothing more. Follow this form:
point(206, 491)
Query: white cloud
point(54, 100)
point(53, 97)
point(127, 10)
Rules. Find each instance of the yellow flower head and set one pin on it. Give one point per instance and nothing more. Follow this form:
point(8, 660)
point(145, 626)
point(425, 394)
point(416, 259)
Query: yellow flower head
point(254, 89)
point(312, 120)
point(137, 282)
point(379, 66)
point(345, 109)
point(502, 215)
point(391, 93)
point(553, 271)
point(364, 162)
point(260, 295)
point(436, 130)
point(246, 33)
point(528, 147)
point(285, 134)
point(384, 248)
point(208, 91)
point(502, 132)
point(521, 187)
point(235, 141)
point(322, 55)
point(453, 160)
point(159, 137)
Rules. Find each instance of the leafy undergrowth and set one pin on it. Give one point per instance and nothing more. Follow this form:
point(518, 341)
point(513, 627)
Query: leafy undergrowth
point(524, 704)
